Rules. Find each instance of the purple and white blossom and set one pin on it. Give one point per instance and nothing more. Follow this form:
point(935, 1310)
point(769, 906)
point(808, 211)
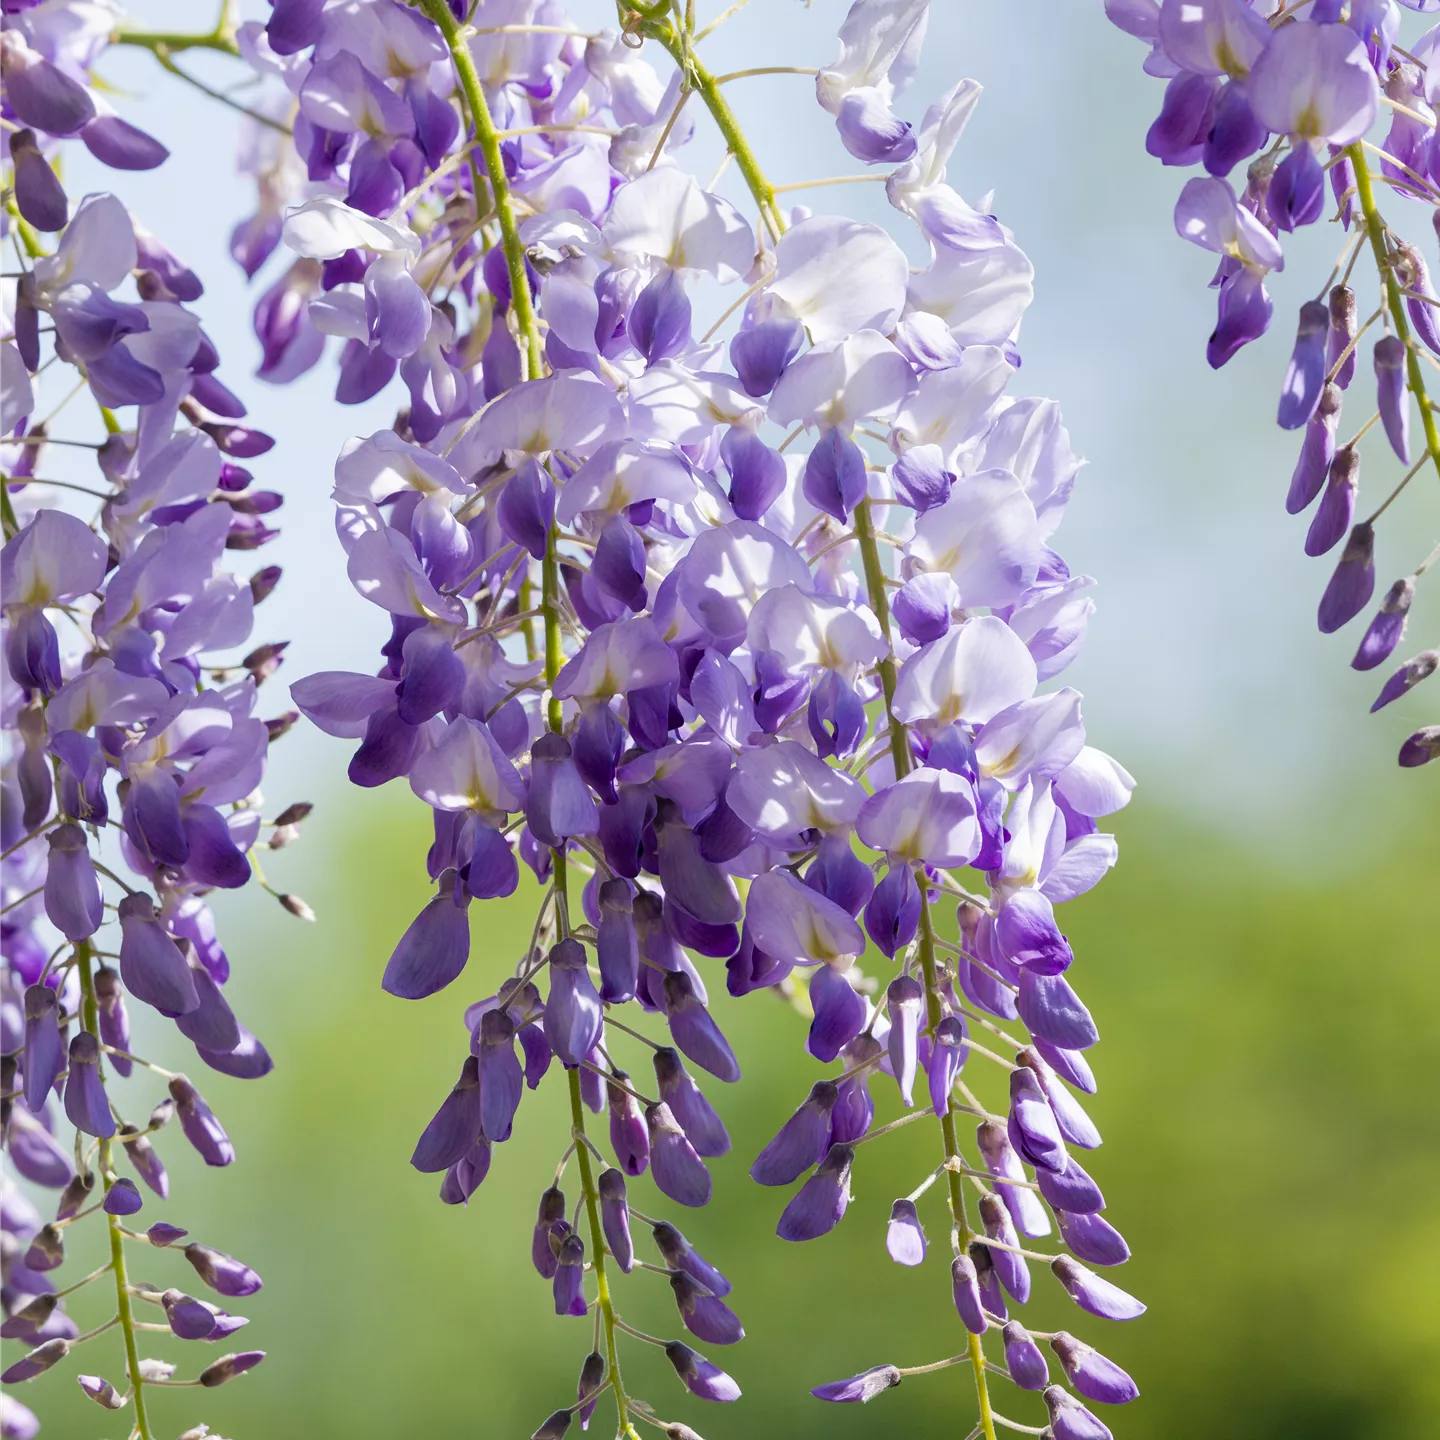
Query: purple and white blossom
point(1294, 94)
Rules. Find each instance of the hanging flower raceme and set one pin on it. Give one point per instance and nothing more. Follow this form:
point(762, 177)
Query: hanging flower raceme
point(132, 752)
point(1293, 93)
point(740, 639)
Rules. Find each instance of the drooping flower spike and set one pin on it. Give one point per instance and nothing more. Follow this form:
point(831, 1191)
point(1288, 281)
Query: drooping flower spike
point(1294, 94)
point(132, 751)
point(642, 630)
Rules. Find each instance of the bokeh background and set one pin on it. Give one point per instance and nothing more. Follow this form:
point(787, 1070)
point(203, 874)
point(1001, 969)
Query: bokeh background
point(1262, 962)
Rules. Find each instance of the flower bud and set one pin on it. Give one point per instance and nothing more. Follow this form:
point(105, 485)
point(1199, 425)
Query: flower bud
point(1070, 1420)
point(40, 1359)
point(587, 1392)
point(44, 1047)
point(704, 1315)
point(222, 1273)
point(86, 1102)
point(1095, 1377)
point(629, 1138)
point(615, 1217)
point(569, 1282)
point(700, 1377)
point(122, 1198)
point(1421, 747)
point(801, 1142)
point(1093, 1294)
point(676, 1167)
point(904, 1236)
point(1353, 582)
point(820, 1203)
point(199, 1124)
point(965, 1291)
point(73, 901)
point(102, 1392)
point(227, 1367)
point(862, 1388)
point(1024, 1359)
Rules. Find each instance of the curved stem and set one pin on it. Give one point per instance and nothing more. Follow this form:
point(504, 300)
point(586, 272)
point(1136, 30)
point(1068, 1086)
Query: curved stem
point(1394, 296)
point(84, 954)
point(488, 140)
point(704, 83)
point(707, 86)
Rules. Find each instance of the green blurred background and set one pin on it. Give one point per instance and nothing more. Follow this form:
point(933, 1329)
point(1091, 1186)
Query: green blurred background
point(1262, 962)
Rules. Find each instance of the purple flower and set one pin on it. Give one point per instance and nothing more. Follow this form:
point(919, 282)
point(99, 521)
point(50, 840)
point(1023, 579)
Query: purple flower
point(1095, 1377)
point(700, 1377)
point(820, 1203)
point(674, 1164)
point(904, 1236)
point(863, 1387)
point(1092, 1293)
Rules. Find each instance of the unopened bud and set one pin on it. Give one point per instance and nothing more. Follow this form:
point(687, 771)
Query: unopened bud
point(297, 907)
point(227, 1367)
point(264, 660)
point(294, 814)
point(281, 724)
point(554, 1427)
point(102, 1392)
point(262, 582)
point(37, 1362)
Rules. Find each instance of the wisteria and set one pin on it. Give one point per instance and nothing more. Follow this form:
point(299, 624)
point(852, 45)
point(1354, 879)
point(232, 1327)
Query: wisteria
point(132, 752)
point(733, 634)
point(1292, 92)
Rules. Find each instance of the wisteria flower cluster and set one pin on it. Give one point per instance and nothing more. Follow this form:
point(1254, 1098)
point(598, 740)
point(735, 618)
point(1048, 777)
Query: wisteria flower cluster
point(131, 746)
point(1294, 90)
point(739, 637)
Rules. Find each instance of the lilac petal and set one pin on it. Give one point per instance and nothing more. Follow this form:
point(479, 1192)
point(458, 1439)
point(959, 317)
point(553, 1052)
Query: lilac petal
point(455, 1126)
point(44, 1054)
point(680, 1255)
point(1353, 583)
point(1421, 747)
point(1070, 1188)
point(1024, 1359)
point(677, 1169)
point(1010, 1268)
point(704, 1315)
point(615, 1218)
point(86, 1102)
point(223, 1273)
point(569, 1282)
point(1069, 1419)
point(702, 1126)
point(551, 1212)
point(1092, 1238)
point(573, 1016)
point(1093, 1294)
point(151, 964)
point(819, 1204)
point(694, 1030)
point(905, 998)
point(39, 196)
point(904, 1236)
point(122, 1198)
point(432, 952)
point(1053, 1011)
point(948, 1050)
point(1317, 450)
point(839, 1013)
point(801, 1141)
point(121, 145)
point(1409, 675)
point(965, 1291)
point(1095, 1377)
point(1394, 398)
point(1387, 628)
point(1305, 377)
point(701, 1378)
point(859, 1388)
point(501, 1078)
point(1344, 325)
point(1337, 505)
point(199, 1124)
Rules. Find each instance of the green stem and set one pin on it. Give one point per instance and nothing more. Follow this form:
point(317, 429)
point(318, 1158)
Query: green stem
point(764, 193)
point(954, 1180)
point(704, 83)
point(84, 954)
point(488, 139)
point(1395, 300)
point(880, 604)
